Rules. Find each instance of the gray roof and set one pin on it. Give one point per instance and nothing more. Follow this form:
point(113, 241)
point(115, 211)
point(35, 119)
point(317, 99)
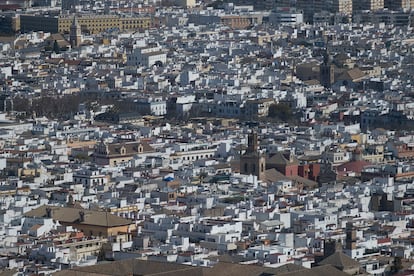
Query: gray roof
point(340, 261)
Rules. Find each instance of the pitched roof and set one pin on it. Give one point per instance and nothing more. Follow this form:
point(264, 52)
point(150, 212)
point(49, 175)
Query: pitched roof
point(56, 36)
point(301, 180)
point(340, 261)
point(353, 166)
point(354, 74)
point(134, 267)
point(288, 268)
point(140, 267)
point(312, 82)
point(228, 269)
point(341, 56)
point(280, 159)
point(74, 215)
point(9, 272)
point(326, 270)
point(273, 175)
point(130, 148)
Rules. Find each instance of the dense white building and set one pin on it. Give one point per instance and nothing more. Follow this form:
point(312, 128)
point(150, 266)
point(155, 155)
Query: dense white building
point(147, 56)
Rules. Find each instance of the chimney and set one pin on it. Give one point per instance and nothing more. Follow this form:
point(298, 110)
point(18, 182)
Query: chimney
point(81, 216)
point(48, 212)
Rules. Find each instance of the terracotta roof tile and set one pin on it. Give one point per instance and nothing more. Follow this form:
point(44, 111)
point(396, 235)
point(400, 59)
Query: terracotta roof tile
point(74, 215)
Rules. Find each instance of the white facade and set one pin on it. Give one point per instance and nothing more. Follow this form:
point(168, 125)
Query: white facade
point(286, 17)
point(146, 56)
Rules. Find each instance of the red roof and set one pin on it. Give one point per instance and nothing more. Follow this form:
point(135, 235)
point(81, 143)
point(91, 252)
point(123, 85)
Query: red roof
point(77, 235)
point(384, 240)
point(13, 7)
point(353, 166)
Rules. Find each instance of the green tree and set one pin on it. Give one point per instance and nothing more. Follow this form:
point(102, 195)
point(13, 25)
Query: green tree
point(56, 47)
point(281, 112)
point(396, 265)
point(82, 157)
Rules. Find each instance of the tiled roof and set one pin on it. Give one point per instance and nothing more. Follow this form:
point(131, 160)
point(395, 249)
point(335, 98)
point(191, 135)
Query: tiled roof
point(130, 148)
point(353, 166)
point(280, 159)
point(139, 267)
point(74, 215)
point(340, 261)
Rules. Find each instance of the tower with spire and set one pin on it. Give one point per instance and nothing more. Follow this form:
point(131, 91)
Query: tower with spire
point(75, 38)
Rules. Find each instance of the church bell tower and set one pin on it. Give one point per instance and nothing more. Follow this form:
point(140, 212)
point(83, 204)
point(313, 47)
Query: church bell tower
point(75, 33)
point(252, 161)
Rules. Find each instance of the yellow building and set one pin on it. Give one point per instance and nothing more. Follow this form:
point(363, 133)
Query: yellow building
point(359, 138)
point(89, 23)
point(372, 5)
point(113, 154)
point(342, 6)
point(81, 249)
point(99, 23)
point(241, 21)
point(399, 4)
point(90, 222)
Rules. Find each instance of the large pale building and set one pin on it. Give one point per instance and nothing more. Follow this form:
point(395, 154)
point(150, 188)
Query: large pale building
point(89, 23)
point(310, 7)
point(371, 5)
point(90, 222)
point(147, 56)
point(399, 4)
point(186, 3)
point(342, 6)
point(114, 154)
